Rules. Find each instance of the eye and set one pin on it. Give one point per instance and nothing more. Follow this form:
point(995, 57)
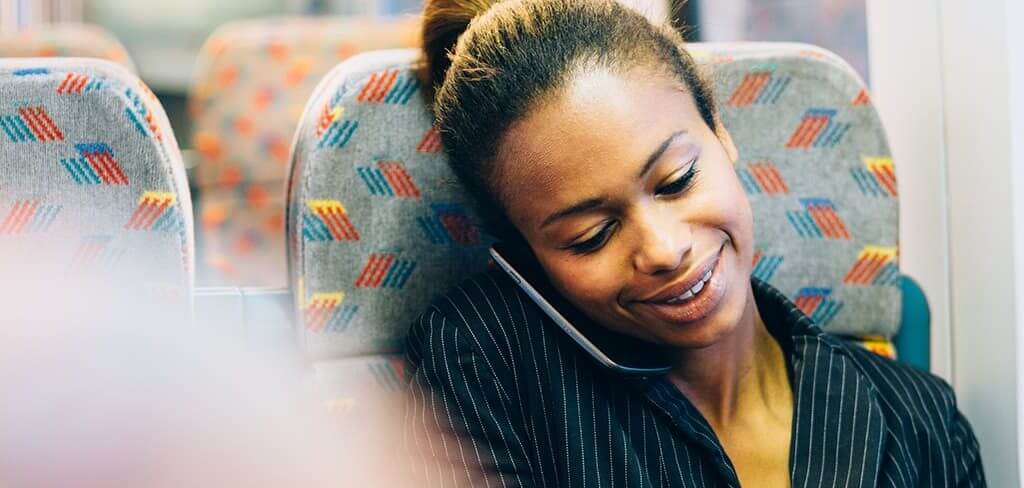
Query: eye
point(680, 184)
point(596, 242)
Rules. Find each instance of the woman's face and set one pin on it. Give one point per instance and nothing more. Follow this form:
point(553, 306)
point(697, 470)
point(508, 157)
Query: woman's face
point(631, 204)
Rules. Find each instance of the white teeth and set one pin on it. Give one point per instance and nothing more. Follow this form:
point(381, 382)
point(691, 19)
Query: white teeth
point(685, 296)
point(693, 291)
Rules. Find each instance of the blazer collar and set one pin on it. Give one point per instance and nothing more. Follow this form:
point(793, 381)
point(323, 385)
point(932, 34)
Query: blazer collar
point(838, 426)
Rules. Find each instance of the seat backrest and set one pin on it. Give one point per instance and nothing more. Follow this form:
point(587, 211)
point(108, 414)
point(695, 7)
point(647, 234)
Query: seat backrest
point(251, 83)
point(90, 175)
point(65, 40)
point(378, 228)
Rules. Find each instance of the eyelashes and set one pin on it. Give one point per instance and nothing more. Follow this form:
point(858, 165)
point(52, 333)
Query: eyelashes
point(594, 243)
point(680, 184)
point(674, 188)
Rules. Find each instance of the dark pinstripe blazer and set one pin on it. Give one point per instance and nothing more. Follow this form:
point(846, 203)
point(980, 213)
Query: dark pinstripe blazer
point(528, 408)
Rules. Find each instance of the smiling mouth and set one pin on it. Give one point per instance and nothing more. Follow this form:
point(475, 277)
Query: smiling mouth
point(691, 300)
point(692, 292)
point(691, 288)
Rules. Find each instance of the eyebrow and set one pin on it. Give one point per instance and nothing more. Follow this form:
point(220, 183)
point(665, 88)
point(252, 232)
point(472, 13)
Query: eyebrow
point(592, 203)
point(653, 158)
point(581, 207)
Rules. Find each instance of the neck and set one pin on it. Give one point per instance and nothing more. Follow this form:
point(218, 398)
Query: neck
point(743, 370)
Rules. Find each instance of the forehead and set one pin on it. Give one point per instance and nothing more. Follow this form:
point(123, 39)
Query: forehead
point(586, 140)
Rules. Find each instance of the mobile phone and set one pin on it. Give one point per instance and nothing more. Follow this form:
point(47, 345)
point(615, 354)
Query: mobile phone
point(617, 352)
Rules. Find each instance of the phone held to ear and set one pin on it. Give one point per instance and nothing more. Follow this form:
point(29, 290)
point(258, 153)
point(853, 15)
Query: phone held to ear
point(617, 352)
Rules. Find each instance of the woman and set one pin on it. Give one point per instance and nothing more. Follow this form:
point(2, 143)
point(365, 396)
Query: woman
point(586, 133)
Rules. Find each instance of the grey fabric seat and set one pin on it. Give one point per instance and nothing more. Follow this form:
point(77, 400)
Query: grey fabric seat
point(92, 185)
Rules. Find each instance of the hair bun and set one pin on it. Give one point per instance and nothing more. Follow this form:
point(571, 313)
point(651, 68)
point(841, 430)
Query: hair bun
point(443, 22)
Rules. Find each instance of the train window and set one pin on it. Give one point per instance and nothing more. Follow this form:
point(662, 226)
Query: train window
point(837, 25)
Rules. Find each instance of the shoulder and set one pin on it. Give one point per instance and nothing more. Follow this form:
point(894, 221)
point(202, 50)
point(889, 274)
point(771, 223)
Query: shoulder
point(486, 315)
point(921, 409)
point(485, 298)
point(906, 391)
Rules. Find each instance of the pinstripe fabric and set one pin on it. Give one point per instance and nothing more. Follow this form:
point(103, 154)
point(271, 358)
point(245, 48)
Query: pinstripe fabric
point(500, 397)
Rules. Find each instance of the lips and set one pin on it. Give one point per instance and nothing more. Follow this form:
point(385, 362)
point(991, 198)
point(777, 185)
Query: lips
point(691, 283)
point(692, 292)
point(692, 298)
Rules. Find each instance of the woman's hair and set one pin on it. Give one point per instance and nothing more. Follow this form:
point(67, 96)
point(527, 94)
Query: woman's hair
point(489, 62)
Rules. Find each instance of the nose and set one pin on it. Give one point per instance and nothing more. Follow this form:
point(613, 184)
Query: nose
point(664, 240)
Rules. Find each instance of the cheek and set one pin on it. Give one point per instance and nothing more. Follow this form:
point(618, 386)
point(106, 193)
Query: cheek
point(727, 206)
point(587, 283)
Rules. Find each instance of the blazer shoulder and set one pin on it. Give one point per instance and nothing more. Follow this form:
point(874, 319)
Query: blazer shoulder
point(487, 313)
point(907, 390)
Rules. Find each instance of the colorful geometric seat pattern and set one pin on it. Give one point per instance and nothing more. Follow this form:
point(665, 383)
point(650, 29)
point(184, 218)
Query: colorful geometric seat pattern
point(378, 228)
point(252, 81)
point(65, 40)
point(90, 174)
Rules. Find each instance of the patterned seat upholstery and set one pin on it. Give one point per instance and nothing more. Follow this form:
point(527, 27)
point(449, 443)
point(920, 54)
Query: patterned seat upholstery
point(91, 178)
point(378, 227)
point(252, 81)
point(65, 40)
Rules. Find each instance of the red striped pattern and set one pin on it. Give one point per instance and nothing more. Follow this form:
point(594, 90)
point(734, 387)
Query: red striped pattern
point(807, 131)
point(319, 311)
point(886, 177)
point(862, 98)
point(828, 221)
point(460, 229)
point(328, 117)
point(106, 167)
point(73, 83)
point(431, 142)
point(749, 89)
point(399, 179)
point(768, 177)
point(808, 303)
point(151, 207)
point(375, 270)
point(40, 123)
point(337, 222)
point(324, 121)
point(19, 215)
point(377, 86)
point(868, 265)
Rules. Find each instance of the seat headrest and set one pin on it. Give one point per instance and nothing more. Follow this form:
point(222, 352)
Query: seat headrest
point(91, 174)
point(378, 226)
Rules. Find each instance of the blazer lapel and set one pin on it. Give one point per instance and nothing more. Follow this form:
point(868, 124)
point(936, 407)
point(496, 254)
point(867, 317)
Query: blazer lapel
point(838, 427)
point(838, 436)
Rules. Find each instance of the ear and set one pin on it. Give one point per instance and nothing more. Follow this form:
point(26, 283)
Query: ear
point(726, 140)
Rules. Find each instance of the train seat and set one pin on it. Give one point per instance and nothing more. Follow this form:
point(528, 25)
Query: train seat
point(92, 184)
point(251, 82)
